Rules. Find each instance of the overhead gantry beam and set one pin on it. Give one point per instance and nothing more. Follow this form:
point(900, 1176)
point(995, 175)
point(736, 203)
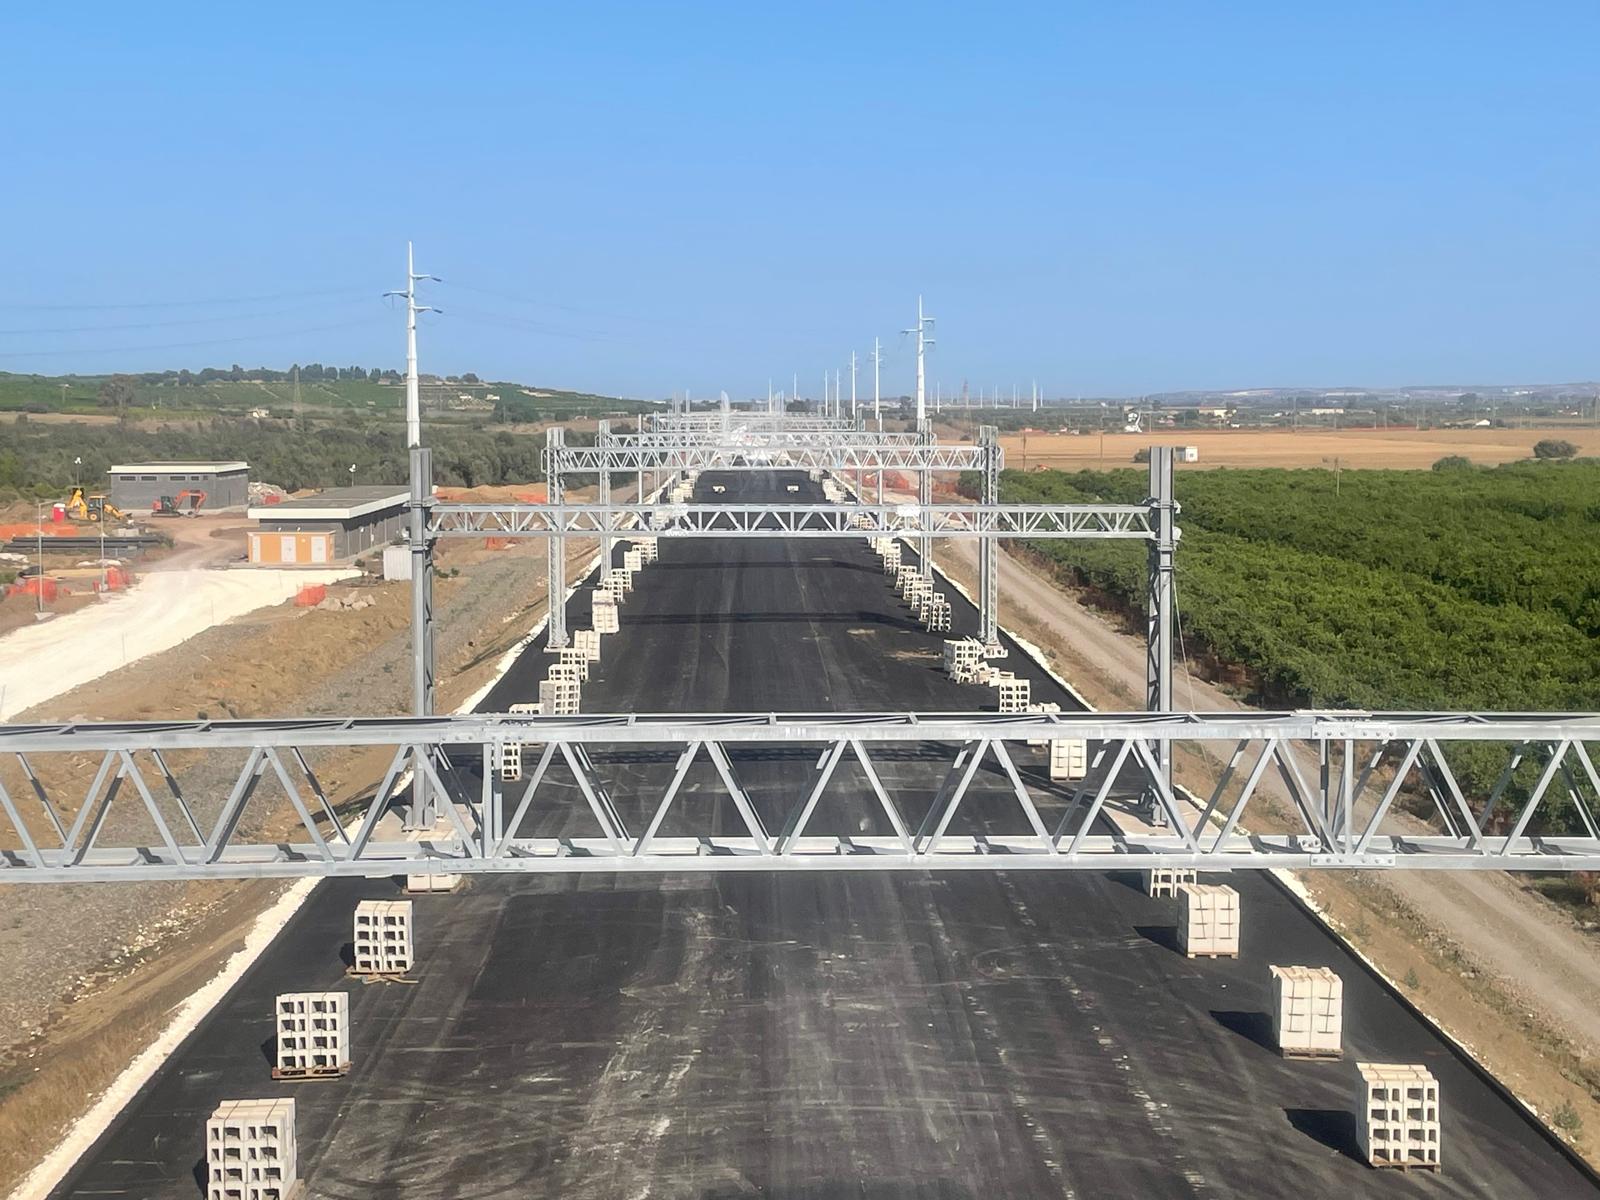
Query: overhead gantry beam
point(603, 793)
point(1043, 521)
point(808, 452)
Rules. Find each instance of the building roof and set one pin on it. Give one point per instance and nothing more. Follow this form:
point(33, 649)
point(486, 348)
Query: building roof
point(335, 504)
point(187, 468)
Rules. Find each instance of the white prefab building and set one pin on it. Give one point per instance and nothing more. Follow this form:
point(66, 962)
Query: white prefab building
point(383, 943)
point(1398, 1115)
point(250, 1151)
point(313, 1034)
point(1308, 1012)
point(1208, 922)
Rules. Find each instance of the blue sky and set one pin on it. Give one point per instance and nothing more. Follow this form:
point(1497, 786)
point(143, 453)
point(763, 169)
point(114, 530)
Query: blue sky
point(1111, 199)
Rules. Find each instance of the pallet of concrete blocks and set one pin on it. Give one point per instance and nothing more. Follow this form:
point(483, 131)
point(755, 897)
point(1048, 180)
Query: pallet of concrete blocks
point(313, 1035)
point(1013, 692)
point(1165, 881)
point(575, 658)
point(251, 1152)
point(605, 613)
point(1069, 759)
point(1208, 922)
point(891, 561)
point(961, 658)
point(610, 585)
point(917, 587)
point(587, 641)
point(903, 576)
point(1042, 707)
point(649, 549)
point(937, 616)
point(559, 695)
point(1397, 1119)
point(633, 560)
point(511, 752)
point(1307, 1012)
point(383, 944)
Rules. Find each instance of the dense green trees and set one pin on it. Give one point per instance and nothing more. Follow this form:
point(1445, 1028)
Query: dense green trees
point(36, 460)
point(1454, 589)
point(1554, 448)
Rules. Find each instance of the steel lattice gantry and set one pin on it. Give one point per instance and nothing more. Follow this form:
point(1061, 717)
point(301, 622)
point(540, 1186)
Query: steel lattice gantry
point(607, 793)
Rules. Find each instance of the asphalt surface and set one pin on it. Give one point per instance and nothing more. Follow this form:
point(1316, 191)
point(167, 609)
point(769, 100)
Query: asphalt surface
point(876, 1036)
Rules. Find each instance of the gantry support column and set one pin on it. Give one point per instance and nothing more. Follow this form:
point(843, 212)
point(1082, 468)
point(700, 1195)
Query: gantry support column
point(1159, 603)
point(925, 498)
point(989, 548)
point(420, 814)
point(556, 626)
point(603, 440)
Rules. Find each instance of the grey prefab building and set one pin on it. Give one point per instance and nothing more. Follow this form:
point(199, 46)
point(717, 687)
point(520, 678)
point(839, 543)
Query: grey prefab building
point(137, 486)
point(337, 524)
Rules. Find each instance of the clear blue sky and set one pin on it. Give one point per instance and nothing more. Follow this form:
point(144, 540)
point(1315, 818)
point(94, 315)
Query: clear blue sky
point(1110, 198)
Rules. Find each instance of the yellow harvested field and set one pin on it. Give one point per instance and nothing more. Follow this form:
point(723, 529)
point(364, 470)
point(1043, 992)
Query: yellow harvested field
point(1354, 448)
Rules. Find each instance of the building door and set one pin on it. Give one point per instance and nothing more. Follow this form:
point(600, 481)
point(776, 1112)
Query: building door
point(286, 549)
point(319, 548)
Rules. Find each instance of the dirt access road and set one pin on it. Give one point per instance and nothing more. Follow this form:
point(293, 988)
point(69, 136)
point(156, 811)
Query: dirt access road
point(1504, 970)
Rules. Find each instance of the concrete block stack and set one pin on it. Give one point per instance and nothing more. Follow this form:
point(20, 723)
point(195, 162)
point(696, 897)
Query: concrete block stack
point(576, 658)
point(383, 944)
point(1013, 692)
point(587, 642)
point(633, 560)
point(560, 691)
point(1397, 1117)
point(903, 576)
point(1307, 1012)
point(935, 614)
point(1041, 707)
point(605, 613)
point(511, 752)
point(649, 549)
point(1208, 922)
point(1165, 881)
point(313, 1035)
point(962, 657)
point(1069, 760)
point(251, 1152)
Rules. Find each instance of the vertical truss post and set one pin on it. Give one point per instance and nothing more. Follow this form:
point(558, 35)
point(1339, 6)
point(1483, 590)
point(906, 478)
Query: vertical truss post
point(556, 626)
point(925, 497)
point(420, 814)
point(1159, 607)
point(988, 548)
point(603, 440)
point(640, 497)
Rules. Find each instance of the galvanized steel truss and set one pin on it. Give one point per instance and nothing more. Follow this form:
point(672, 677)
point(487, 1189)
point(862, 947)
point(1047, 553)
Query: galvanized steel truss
point(913, 776)
point(1114, 521)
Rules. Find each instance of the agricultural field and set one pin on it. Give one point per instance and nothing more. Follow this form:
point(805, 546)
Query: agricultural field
point(1471, 588)
point(1392, 448)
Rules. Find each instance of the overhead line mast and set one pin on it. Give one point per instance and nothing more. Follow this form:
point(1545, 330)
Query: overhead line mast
point(923, 342)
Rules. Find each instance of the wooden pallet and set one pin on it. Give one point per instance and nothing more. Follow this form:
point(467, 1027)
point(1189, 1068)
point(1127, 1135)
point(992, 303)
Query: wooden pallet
point(1329, 1055)
point(1211, 954)
point(312, 1072)
point(1387, 1165)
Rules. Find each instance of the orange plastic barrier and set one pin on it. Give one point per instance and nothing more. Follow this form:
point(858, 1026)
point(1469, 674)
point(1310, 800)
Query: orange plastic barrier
point(311, 595)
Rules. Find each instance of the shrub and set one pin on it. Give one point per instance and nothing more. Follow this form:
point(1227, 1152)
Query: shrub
point(1453, 462)
point(1554, 448)
point(1142, 455)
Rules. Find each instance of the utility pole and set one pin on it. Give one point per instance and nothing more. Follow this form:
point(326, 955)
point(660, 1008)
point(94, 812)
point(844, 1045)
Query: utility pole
point(421, 814)
point(877, 403)
point(1035, 395)
point(923, 342)
point(852, 387)
point(838, 393)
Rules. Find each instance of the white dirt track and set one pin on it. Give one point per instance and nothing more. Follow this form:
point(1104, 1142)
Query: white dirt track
point(161, 610)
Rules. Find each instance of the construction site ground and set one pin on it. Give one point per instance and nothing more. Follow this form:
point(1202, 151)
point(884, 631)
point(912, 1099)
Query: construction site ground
point(922, 1035)
point(92, 972)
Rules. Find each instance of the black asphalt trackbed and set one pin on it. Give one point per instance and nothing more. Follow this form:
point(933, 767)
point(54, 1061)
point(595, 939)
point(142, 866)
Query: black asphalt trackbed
point(953, 1036)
